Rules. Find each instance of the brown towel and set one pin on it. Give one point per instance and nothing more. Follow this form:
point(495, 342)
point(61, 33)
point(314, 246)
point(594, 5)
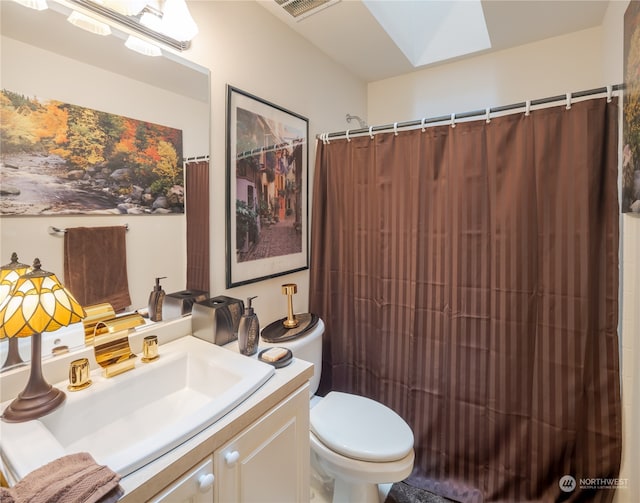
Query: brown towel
point(95, 265)
point(75, 478)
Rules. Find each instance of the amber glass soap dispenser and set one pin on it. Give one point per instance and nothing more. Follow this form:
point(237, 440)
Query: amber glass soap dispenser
point(248, 330)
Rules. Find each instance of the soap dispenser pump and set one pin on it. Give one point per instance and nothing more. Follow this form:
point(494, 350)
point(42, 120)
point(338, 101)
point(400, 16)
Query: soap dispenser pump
point(248, 330)
point(156, 298)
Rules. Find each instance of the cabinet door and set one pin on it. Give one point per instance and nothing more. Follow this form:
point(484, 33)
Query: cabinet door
point(196, 486)
point(269, 461)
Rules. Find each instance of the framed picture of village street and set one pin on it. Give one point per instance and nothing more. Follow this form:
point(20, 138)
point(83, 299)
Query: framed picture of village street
point(267, 189)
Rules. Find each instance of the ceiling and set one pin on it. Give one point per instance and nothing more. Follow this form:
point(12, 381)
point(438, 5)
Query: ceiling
point(349, 33)
point(346, 31)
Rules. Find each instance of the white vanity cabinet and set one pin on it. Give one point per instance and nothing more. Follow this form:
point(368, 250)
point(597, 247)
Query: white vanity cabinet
point(268, 461)
point(196, 486)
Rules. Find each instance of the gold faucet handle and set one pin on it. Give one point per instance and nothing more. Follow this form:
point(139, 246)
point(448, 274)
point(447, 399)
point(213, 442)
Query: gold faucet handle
point(79, 374)
point(150, 348)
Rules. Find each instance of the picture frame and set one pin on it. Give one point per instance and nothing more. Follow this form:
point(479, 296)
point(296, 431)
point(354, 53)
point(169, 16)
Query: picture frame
point(267, 199)
point(630, 194)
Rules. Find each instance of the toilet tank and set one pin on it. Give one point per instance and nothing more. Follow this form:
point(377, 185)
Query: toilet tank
point(307, 347)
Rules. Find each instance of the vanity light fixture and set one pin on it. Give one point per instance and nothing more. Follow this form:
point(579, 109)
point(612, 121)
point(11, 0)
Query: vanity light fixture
point(9, 274)
point(177, 22)
point(142, 46)
point(33, 4)
point(88, 23)
point(151, 18)
point(37, 303)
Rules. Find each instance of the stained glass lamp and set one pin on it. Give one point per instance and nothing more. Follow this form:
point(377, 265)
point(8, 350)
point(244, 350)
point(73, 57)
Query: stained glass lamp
point(37, 303)
point(9, 274)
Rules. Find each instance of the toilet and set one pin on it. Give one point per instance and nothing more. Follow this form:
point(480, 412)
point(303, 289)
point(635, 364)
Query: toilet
point(356, 441)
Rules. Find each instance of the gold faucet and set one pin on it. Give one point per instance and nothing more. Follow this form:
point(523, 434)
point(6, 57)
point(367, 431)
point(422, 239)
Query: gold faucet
point(111, 343)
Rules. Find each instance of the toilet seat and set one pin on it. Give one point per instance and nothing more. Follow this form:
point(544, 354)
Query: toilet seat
point(361, 429)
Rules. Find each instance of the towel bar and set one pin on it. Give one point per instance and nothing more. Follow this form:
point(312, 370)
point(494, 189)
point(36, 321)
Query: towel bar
point(55, 230)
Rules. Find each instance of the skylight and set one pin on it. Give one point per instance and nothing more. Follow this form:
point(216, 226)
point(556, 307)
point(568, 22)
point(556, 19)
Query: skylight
point(428, 31)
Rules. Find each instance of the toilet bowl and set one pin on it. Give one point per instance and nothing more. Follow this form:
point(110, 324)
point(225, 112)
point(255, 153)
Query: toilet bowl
point(356, 441)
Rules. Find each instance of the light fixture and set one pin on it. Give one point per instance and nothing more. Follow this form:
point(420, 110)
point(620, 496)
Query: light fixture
point(88, 23)
point(142, 46)
point(33, 4)
point(37, 303)
point(9, 274)
point(175, 28)
point(151, 18)
point(125, 7)
point(177, 22)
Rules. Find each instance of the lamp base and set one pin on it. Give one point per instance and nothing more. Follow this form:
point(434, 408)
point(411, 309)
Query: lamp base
point(38, 397)
point(25, 409)
point(13, 355)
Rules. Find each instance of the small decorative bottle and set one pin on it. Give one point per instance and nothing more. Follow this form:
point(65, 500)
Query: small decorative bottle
point(248, 330)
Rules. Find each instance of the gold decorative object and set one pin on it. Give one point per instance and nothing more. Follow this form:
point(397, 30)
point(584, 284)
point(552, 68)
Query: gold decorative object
point(289, 289)
point(37, 303)
point(95, 314)
point(79, 374)
point(111, 343)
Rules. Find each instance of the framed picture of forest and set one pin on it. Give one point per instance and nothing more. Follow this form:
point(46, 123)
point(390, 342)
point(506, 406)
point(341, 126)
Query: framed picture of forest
point(60, 158)
point(267, 189)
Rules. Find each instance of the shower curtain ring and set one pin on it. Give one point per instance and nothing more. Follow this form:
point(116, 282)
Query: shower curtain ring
point(371, 132)
point(348, 139)
point(609, 93)
point(488, 115)
point(453, 120)
point(568, 101)
point(423, 120)
point(527, 108)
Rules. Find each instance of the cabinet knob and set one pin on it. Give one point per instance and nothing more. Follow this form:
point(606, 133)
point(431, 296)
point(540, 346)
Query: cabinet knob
point(205, 482)
point(231, 457)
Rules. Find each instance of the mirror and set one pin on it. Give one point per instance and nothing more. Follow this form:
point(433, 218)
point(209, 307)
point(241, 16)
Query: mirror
point(45, 56)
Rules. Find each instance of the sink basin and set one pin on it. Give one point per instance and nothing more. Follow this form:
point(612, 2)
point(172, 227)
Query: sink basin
point(129, 420)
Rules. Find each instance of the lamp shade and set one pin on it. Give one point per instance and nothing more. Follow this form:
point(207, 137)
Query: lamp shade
point(9, 274)
point(37, 303)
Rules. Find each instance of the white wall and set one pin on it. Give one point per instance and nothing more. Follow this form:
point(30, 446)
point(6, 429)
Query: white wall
point(245, 46)
point(155, 244)
point(547, 68)
point(574, 62)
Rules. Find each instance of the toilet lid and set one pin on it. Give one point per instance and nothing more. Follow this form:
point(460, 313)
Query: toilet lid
point(360, 428)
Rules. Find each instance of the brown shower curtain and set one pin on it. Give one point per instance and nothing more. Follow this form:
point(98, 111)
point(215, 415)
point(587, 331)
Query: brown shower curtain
point(468, 278)
point(197, 209)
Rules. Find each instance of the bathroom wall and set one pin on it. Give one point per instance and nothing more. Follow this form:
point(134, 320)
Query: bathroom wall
point(155, 244)
point(578, 61)
point(245, 46)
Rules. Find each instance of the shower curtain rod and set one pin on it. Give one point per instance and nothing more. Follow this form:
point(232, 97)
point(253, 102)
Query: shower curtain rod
point(475, 113)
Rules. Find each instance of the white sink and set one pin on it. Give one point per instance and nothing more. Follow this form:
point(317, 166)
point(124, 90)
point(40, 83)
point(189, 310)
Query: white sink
point(131, 419)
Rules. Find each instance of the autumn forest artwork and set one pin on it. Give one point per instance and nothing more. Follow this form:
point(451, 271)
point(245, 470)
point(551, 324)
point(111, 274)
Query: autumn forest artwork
point(58, 158)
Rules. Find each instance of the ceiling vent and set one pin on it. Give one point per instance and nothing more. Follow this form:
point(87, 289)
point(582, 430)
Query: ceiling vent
point(300, 9)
